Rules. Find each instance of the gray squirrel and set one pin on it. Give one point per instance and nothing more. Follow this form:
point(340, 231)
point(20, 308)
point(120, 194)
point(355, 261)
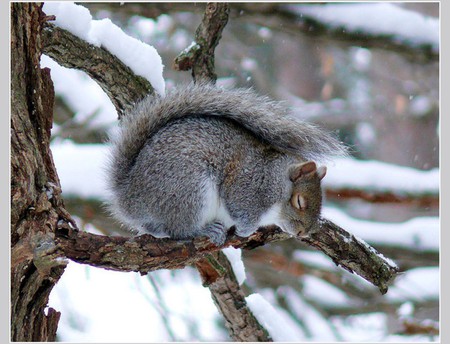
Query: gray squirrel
point(203, 159)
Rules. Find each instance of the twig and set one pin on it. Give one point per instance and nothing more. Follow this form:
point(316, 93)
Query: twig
point(200, 56)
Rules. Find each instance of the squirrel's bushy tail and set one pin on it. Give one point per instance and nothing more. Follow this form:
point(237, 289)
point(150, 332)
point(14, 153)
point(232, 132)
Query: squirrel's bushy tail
point(267, 119)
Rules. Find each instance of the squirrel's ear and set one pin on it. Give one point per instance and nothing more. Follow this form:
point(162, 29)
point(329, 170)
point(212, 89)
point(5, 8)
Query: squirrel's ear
point(303, 169)
point(321, 172)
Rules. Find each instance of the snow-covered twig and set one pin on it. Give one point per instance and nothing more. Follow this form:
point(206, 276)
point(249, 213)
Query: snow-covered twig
point(404, 185)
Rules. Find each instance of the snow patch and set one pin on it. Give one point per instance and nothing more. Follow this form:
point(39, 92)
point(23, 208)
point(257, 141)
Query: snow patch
point(324, 293)
point(422, 233)
point(234, 255)
point(382, 19)
point(380, 176)
point(419, 284)
point(279, 325)
point(79, 168)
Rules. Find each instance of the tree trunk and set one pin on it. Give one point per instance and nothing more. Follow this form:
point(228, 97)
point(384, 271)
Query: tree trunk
point(36, 206)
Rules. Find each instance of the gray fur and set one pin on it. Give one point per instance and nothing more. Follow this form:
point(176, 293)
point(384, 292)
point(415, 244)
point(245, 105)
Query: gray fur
point(173, 154)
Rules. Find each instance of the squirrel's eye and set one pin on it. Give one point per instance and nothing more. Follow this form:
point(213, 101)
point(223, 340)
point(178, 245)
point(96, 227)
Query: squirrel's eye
point(299, 202)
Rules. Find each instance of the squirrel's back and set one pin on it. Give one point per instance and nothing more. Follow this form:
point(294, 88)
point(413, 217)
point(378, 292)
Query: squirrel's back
point(266, 119)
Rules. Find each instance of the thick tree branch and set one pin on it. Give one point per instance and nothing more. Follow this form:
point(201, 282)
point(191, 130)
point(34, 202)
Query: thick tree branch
point(146, 253)
point(36, 204)
point(118, 81)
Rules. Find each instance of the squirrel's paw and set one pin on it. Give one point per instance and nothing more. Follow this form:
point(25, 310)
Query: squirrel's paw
point(245, 231)
point(216, 232)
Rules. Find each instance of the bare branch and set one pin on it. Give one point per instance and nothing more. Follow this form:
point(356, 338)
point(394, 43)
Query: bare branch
point(422, 200)
point(122, 86)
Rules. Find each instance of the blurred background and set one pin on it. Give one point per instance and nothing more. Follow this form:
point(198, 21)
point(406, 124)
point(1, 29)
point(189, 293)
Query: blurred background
point(376, 90)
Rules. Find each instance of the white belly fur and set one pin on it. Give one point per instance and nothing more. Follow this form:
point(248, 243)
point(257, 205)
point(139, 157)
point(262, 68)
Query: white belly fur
point(214, 209)
point(271, 217)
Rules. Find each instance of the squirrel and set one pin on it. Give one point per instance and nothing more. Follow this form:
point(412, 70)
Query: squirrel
point(203, 159)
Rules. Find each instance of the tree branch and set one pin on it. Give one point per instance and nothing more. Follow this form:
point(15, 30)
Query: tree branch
point(146, 253)
point(118, 81)
point(422, 200)
point(353, 254)
point(217, 274)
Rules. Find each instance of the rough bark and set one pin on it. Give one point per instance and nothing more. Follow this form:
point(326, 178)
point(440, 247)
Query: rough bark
point(217, 274)
point(36, 206)
point(353, 254)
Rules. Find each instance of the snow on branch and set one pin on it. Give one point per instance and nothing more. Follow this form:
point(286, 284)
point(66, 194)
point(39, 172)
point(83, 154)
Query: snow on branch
point(375, 20)
point(116, 79)
point(367, 25)
point(104, 52)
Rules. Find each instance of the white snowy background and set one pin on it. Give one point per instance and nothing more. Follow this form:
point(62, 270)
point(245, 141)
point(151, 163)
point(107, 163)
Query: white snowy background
point(104, 306)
